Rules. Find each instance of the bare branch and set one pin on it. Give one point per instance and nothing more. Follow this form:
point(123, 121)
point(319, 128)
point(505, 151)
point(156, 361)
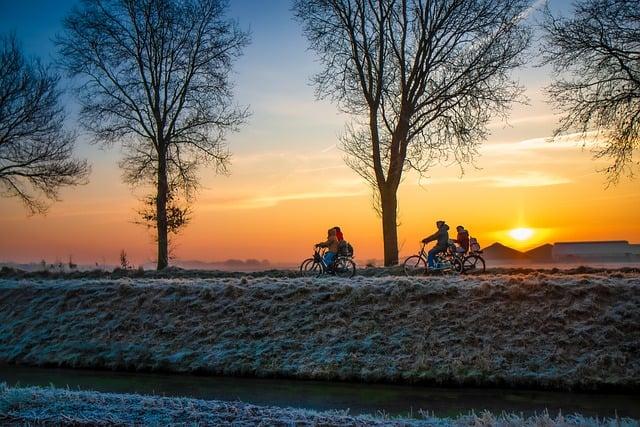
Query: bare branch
point(36, 153)
point(596, 57)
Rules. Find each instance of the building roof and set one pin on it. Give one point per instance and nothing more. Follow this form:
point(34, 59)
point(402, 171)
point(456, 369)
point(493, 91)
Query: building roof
point(600, 242)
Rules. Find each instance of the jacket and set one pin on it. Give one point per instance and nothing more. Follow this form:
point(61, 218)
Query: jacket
point(331, 244)
point(441, 236)
point(463, 240)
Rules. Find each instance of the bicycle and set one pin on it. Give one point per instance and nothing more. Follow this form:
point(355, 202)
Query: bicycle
point(447, 261)
point(342, 266)
point(473, 263)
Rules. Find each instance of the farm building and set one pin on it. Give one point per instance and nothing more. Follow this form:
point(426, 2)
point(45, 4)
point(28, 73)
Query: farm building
point(613, 250)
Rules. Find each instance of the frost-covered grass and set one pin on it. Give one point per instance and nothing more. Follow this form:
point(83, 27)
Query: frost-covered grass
point(52, 406)
point(579, 331)
point(180, 273)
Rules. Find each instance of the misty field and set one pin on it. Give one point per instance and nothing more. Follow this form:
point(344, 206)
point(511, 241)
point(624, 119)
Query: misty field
point(556, 331)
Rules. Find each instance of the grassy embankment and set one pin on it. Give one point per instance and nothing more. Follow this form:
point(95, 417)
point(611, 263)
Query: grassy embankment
point(579, 331)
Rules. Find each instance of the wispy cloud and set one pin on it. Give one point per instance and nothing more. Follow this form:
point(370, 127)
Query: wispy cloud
point(289, 156)
point(535, 6)
point(305, 111)
point(329, 148)
point(530, 179)
point(565, 142)
point(530, 119)
point(261, 202)
point(523, 179)
point(322, 168)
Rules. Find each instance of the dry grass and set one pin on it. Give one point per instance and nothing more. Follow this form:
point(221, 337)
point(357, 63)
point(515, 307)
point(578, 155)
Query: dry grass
point(49, 406)
point(579, 331)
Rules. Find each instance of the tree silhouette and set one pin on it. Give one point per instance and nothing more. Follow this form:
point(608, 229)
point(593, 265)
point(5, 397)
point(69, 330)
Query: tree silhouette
point(36, 153)
point(422, 78)
point(596, 56)
point(179, 213)
point(154, 76)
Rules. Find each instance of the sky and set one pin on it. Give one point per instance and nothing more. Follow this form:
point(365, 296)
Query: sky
point(288, 182)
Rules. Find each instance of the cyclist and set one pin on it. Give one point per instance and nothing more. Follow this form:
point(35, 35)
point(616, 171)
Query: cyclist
point(442, 241)
point(462, 239)
point(331, 244)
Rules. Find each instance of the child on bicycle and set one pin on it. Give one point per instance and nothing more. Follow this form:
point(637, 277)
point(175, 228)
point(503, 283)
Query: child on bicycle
point(339, 234)
point(462, 239)
point(331, 244)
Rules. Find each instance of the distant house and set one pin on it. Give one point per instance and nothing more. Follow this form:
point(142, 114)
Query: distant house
point(612, 250)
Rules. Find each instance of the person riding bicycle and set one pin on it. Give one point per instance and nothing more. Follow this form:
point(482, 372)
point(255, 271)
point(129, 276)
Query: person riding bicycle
point(442, 241)
point(331, 244)
point(462, 240)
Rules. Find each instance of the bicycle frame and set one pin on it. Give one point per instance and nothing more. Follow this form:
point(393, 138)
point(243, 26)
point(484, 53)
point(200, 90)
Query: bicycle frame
point(318, 256)
point(443, 254)
point(449, 259)
point(342, 266)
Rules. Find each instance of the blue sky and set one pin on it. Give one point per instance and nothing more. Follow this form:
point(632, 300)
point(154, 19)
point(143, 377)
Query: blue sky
point(275, 67)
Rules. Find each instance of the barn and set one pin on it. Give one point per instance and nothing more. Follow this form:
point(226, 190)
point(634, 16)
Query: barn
point(612, 250)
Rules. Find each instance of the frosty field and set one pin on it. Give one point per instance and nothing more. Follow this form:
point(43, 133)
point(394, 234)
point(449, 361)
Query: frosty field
point(541, 330)
point(48, 406)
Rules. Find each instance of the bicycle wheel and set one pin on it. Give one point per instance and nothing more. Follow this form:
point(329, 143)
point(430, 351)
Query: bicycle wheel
point(415, 265)
point(344, 267)
point(310, 268)
point(473, 264)
point(457, 266)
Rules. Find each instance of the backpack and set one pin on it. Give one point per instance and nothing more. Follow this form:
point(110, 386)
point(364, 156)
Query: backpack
point(345, 248)
point(474, 246)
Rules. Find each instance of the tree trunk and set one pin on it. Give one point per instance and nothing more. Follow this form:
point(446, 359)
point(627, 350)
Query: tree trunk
point(389, 205)
point(161, 213)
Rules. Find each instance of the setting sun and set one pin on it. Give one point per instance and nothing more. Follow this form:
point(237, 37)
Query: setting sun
point(521, 234)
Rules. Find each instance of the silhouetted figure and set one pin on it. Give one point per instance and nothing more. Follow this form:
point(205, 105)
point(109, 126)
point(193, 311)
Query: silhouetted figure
point(339, 234)
point(331, 244)
point(441, 236)
point(462, 239)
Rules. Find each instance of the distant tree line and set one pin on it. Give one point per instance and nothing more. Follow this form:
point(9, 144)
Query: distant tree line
point(421, 80)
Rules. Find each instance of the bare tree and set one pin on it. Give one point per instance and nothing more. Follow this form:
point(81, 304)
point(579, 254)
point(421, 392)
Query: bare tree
point(155, 76)
point(596, 55)
point(36, 153)
point(422, 78)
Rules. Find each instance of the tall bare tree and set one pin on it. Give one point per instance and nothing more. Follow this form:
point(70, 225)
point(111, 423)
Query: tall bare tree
point(596, 56)
point(155, 77)
point(36, 153)
point(422, 78)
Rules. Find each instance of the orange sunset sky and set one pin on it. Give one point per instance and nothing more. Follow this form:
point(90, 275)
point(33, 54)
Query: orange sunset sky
point(288, 182)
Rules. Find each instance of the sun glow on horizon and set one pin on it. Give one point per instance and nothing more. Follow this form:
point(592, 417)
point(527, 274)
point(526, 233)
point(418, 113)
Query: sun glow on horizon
point(521, 234)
